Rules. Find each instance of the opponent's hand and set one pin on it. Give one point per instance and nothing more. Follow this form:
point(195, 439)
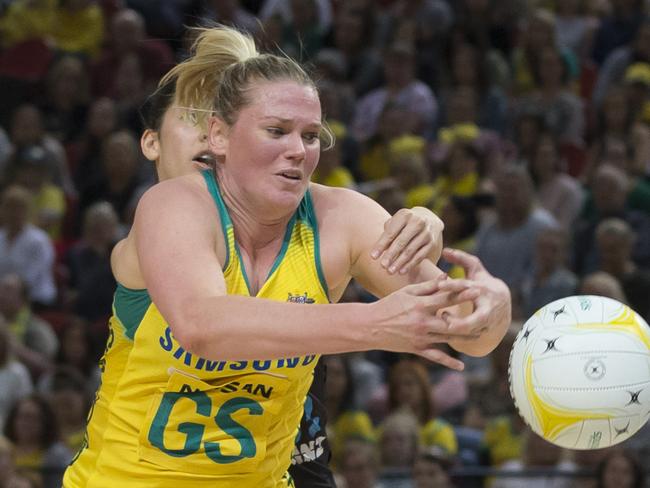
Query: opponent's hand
point(410, 319)
point(481, 331)
point(409, 236)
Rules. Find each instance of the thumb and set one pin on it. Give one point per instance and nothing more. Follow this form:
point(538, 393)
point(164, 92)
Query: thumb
point(470, 263)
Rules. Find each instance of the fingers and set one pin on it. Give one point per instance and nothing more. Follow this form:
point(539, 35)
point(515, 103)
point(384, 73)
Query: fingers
point(439, 301)
point(405, 260)
point(406, 241)
point(392, 228)
point(437, 356)
point(471, 264)
point(472, 324)
point(426, 288)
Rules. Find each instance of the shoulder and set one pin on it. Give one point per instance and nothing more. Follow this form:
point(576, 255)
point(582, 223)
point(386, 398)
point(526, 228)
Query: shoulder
point(37, 234)
point(542, 218)
point(176, 196)
point(344, 207)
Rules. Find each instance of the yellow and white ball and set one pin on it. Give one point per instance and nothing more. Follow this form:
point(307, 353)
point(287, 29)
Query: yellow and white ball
point(580, 372)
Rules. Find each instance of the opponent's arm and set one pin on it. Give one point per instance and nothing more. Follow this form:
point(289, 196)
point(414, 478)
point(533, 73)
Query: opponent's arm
point(176, 246)
point(474, 330)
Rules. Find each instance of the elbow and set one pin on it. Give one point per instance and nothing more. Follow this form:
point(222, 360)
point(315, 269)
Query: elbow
point(187, 329)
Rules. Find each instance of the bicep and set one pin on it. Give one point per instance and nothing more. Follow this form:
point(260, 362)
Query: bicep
point(364, 230)
point(177, 255)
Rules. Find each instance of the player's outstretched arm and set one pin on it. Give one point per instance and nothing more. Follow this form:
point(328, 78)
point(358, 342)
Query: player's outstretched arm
point(176, 246)
point(409, 237)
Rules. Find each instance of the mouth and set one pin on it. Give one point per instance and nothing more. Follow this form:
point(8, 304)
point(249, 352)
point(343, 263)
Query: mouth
point(205, 158)
point(291, 174)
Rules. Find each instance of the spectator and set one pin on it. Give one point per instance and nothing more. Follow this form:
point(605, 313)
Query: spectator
point(353, 37)
point(506, 245)
point(562, 111)
point(330, 170)
point(425, 24)
point(398, 447)
point(492, 28)
point(67, 95)
point(492, 410)
point(282, 9)
point(74, 26)
point(469, 69)
point(15, 382)
point(551, 279)
point(78, 27)
point(538, 453)
point(395, 126)
point(121, 176)
point(618, 60)
point(128, 38)
point(620, 469)
point(78, 354)
point(33, 429)
point(402, 88)
point(27, 129)
point(102, 121)
point(602, 284)
point(617, 29)
point(610, 189)
point(410, 389)
point(33, 172)
point(26, 20)
point(345, 420)
point(6, 459)
point(303, 35)
point(460, 216)
point(459, 175)
point(70, 400)
point(537, 34)
point(33, 339)
point(409, 170)
point(88, 263)
point(431, 469)
point(24, 248)
point(617, 126)
point(359, 465)
point(557, 192)
point(615, 242)
point(574, 27)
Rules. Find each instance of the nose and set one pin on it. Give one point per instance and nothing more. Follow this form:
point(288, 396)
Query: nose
point(295, 146)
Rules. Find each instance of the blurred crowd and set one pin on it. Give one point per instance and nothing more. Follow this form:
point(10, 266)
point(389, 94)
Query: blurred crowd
point(524, 124)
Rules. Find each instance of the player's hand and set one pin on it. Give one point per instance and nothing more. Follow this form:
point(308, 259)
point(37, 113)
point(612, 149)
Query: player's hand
point(409, 236)
point(409, 319)
point(492, 307)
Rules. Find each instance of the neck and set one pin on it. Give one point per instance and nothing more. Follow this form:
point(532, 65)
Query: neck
point(14, 230)
point(619, 269)
point(254, 233)
point(512, 220)
point(332, 407)
point(551, 89)
point(544, 273)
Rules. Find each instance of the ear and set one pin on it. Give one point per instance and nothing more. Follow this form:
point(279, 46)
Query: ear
point(150, 144)
point(218, 136)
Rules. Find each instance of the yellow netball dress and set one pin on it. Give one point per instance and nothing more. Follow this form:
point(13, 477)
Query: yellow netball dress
point(165, 417)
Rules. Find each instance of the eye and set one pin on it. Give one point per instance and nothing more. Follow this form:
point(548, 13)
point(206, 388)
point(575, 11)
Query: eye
point(275, 131)
point(311, 137)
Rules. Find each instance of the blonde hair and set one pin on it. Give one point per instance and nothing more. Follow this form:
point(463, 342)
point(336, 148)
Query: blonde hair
point(222, 65)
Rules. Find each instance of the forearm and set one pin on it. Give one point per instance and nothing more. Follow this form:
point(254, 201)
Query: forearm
point(239, 328)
